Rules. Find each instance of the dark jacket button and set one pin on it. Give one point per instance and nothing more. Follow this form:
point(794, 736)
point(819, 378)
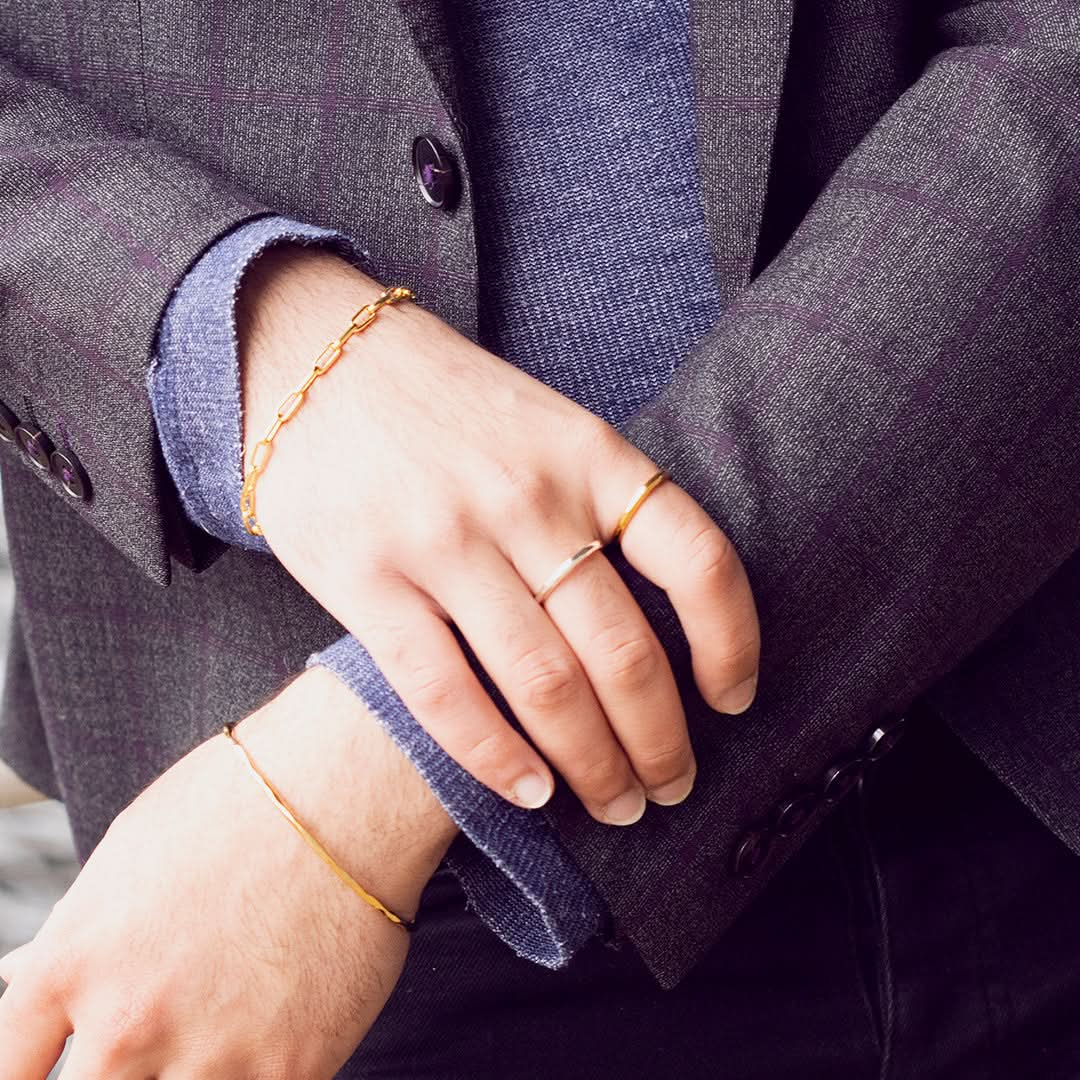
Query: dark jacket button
point(8, 423)
point(840, 778)
point(35, 444)
point(883, 738)
point(792, 812)
point(751, 851)
point(70, 473)
point(435, 172)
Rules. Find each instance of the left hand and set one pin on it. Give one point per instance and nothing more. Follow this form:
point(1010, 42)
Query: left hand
point(203, 940)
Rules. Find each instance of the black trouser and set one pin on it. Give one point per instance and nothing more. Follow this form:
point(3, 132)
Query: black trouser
point(931, 928)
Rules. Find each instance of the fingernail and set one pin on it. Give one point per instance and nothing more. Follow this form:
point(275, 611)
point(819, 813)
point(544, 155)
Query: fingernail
point(740, 699)
point(532, 791)
point(673, 792)
point(626, 809)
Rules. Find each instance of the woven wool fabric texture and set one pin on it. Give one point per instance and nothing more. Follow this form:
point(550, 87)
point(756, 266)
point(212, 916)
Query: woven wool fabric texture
point(883, 418)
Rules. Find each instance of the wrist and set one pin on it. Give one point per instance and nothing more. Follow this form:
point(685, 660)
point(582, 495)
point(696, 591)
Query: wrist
point(351, 786)
point(294, 303)
point(293, 300)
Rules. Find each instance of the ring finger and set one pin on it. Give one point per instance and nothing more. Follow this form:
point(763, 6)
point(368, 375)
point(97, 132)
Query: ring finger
point(542, 679)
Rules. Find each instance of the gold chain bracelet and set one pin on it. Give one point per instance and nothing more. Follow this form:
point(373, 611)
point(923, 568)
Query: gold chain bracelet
point(310, 840)
point(260, 453)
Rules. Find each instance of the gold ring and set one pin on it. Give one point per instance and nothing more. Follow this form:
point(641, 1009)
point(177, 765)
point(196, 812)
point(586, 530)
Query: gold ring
point(640, 496)
point(564, 568)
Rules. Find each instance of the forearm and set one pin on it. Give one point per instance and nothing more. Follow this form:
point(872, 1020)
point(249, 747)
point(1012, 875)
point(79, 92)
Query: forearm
point(351, 786)
point(884, 424)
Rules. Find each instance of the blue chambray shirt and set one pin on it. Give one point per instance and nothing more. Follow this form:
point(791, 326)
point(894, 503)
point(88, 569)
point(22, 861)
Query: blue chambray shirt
point(599, 199)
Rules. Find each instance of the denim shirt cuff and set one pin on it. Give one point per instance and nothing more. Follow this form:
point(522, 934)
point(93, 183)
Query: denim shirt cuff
point(516, 872)
point(194, 377)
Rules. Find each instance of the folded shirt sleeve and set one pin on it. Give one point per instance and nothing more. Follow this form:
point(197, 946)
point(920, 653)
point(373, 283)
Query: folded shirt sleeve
point(513, 867)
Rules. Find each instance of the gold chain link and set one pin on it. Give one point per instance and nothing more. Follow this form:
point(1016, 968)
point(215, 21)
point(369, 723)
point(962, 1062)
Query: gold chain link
point(261, 451)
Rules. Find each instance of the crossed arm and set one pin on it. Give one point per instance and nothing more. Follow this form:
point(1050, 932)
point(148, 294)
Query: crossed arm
point(883, 423)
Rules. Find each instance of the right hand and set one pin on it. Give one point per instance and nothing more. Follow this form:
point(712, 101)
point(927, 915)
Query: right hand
point(427, 481)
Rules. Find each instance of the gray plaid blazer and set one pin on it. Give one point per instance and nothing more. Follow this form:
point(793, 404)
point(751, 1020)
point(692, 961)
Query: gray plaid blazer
point(885, 419)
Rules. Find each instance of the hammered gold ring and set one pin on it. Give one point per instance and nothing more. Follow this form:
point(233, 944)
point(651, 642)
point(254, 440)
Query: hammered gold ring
point(564, 568)
point(640, 496)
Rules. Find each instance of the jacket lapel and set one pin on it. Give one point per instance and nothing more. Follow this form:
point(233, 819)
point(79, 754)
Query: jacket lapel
point(739, 50)
point(426, 20)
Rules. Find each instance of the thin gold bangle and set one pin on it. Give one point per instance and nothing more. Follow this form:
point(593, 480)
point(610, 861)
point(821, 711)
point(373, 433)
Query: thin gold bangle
point(310, 840)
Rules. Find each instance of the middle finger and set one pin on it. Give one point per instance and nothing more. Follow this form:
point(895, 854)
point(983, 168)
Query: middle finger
point(630, 674)
point(541, 678)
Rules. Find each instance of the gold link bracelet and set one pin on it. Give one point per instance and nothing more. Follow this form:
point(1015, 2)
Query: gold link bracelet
point(261, 451)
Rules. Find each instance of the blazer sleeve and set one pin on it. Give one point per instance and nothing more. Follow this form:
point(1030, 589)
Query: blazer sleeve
point(885, 423)
point(98, 226)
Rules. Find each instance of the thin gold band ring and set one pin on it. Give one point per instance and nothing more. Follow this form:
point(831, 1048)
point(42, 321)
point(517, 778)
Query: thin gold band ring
point(640, 496)
point(565, 567)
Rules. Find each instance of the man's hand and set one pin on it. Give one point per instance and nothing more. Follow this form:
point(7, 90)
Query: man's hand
point(428, 482)
point(203, 940)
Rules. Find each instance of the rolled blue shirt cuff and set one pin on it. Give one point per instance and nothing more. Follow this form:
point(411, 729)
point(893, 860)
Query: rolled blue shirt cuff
point(513, 868)
point(194, 377)
point(516, 872)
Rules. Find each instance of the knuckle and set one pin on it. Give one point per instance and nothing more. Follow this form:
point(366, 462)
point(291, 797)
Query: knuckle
point(603, 778)
point(548, 681)
point(450, 531)
point(633, 662)
point(376, 563)
point(525, 496)
point(51, 975)
point(490, 753)
point(453, 534)
point(133, 1024)
point(393, 640)
point(709, 553)
point(604, 443)
point(433, 689)
point(663, 761)
point(739, 662)
point(117, 1044)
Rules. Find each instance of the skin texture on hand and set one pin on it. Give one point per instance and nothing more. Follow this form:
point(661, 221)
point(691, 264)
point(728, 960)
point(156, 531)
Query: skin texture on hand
point(427, 482)
point(203, 940)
